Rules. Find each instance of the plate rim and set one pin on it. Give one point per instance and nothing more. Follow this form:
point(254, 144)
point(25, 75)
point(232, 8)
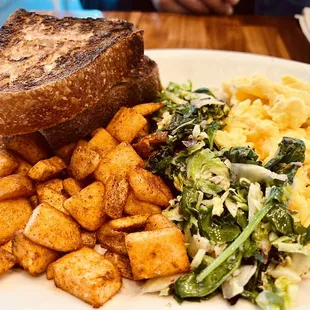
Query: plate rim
point(227, 52)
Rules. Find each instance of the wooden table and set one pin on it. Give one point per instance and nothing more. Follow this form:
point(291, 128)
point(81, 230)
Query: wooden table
point(274, 36)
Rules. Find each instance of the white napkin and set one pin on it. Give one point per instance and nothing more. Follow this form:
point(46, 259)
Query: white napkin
point(304, 21)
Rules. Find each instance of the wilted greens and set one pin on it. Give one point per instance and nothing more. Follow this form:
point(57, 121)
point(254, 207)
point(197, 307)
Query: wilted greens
point(232, 209)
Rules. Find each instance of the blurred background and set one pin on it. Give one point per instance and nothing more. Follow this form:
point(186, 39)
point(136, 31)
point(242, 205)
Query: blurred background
point(9, 6)
point(91, 8)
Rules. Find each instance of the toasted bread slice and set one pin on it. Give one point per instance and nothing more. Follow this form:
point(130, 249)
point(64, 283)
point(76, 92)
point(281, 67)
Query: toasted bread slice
point(53, 69)
point(142, 85)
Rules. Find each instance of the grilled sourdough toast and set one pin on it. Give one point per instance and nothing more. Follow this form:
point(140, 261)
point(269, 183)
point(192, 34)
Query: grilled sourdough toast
point(141, 86)
point(54, 69)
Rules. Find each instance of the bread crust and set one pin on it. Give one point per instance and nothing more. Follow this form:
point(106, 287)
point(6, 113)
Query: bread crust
point(141, 86)
point(84, 82)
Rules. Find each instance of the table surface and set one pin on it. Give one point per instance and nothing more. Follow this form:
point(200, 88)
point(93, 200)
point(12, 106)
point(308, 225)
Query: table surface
point(273, 36)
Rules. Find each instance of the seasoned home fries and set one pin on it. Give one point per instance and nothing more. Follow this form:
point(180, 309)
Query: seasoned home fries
point(55, 206)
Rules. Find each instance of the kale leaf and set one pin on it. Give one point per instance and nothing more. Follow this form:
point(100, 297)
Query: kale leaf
point(289, 156)
point(242, 155)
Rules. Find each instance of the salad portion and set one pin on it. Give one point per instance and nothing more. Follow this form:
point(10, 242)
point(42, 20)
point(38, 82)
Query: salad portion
point(242, 239)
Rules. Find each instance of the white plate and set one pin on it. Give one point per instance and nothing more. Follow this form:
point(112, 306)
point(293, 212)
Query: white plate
point(18, 291)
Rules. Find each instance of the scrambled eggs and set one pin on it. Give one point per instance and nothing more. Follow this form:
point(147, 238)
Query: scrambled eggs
point(262, 113)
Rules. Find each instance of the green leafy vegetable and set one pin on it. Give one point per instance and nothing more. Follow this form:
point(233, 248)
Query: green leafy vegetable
point(289, 157)
point(242, 155)
point(276, 195)
point(189, 286)
point(241, 238)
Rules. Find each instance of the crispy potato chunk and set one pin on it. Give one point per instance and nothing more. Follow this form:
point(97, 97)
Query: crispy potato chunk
point(32, 146)
point(53, 229)
point(149, 187)
point(7, 261)
point(83, 162)
point(54, 184)
point(23, 167)
point(34, 258)
point(158, 221)
point(34, 201)
point(71, 186)
point(8, 163)
point(87, 275)
point(125, 124)
point(15, 185)
point(121, 262)
point(148, 108)
point(144, 146)
point(14, 215)
point(86, 207)
point(88, 238)
point(157, 253)
point(50, 272)
point(118, 162)
point(111, 235)
point(47, 169)
point(7, 246)
point(102, 142)
point(65, 152)
point(115, 197)
point(134, 206)
point(53, 198)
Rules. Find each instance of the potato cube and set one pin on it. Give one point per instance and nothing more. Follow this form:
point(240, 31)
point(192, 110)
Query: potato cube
point(118, 162)
point(50, 272)
point(88, 238)
point(86, 207)
point(32, 146)
point(54, 184)
point(65, 152)
point(115, 197)
point(83, 162)
point(121, 262)
point(148, 108)
point(134, 206)
point(145, 145)
point(157, 253)
point(102, 142)
point(53, 229)
point(7, 261)
point(14, 215)
point(111, 235)
point(71, 186)
point(53, 198)
point(8, 163)
point(149, 187)
point(158, 221)
point(47, 169)
point(7, 246)
point(125, 125)
point(23, 167)
point(15, 185)
point(34, 258)
point(87, 275)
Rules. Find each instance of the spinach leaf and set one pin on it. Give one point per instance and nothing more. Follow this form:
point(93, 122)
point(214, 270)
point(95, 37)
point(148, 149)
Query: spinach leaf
point(242, 155)
point(281, 220)
point(217, 229)
point(188, 286)
point(290, 152)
